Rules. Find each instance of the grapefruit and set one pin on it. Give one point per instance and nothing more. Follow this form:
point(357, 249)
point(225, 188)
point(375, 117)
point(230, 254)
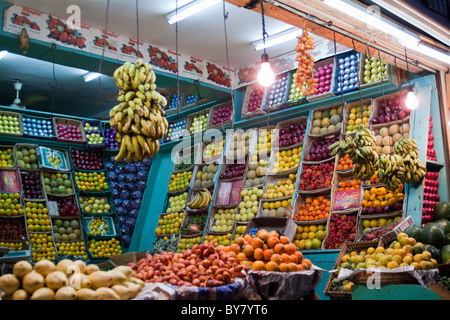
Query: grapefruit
point(442, 210)
point(433, 234)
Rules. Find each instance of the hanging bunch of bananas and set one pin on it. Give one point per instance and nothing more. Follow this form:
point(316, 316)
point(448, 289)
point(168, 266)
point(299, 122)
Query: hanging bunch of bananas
point(362, 151)
point(138, 118)
point(392, 171)
point(200, 200)
point(407, 149)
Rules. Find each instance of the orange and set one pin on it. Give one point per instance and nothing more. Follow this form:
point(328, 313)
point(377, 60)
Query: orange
point(241, 256)
point(276, 258)
point(272, 241)
point(308, 263)
point(284, 240)
point(293, 267)
point(279, 248)
point(258, 254)
point(248, 250)
point(239, 241)
point(284, 267)
point(267, 254)
point(258, 265)
point(299, 256)
point(256, 242)
point(290, 248)
point(286, 258)
point(235, 248)
point(272, 266)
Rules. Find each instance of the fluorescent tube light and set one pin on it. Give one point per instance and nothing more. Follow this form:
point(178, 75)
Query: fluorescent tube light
point(189, 10)
point(3, 53)
point(278, 38)
point(433, 53)
point(91, 76)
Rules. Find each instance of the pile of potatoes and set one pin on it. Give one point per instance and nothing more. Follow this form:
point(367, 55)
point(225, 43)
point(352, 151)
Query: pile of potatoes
point(68, 280)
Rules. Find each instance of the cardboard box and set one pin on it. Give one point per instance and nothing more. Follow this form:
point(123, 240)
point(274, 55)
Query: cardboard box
point(283, 226)
point(123, 259)
point(401, 227)
point(44, 154)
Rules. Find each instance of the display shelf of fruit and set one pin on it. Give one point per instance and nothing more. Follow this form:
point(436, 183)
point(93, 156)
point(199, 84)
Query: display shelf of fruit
point(308, 209)
point(76, 249)
point(187, 243)
point(12, 229)
point(430, 196)
point(96, 205)
point(37, 216)
point(169, 223)
point(253, 101)
point(58, 183)
point(69, 130)
point(275, 208)
point(193, 225)
point(316, 178)
point(165, 244)
point(25, 157)
point(279, 188)
point(347, 72)
point(317, 151)
point(248, 207)
point(367, 224)
point(291, 133)
point(356, 113)
point(176, 130)
point(277, 93)
point(42, 246)
point(256, 173)
point(191, 99)
point(371, 234)
point(31, 183)
point(310, 237)
point(374, 181)
point(86, 160)
point(38, 127)
point(176, 203)
point(67, 229)
point(379, 200)
point(431, 152)
point(217, 239)
point(233, 171)
point(221, 115)
point(199, 200)
point(11, 124)
point(10, 205)
point(100, 249)
point(111, 143)
point(341, 228)
point(176, 101)
point(345, 165)
point(284, 162)
point(94, 135)
point(15, 245)
point(221, 220)
point(180, 181)
point(326, 121)
point(66, 206)
point(296, 94)
point(346, 194)
point(91, 181)
point(373, 71)
point(197, 122)
point(206, 176)
point(239, 144)
point(99, 226)
point(389, 109)
point(387, 136)
point(238, 230)
point(325, 79)
point(7, 157)
point(266, 136)
point(212, 150)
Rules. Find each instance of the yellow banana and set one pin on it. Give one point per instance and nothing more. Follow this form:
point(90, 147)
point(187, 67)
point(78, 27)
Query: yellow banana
point(135, 129)
point(118, 72)
point(145, 128)
point(126, 126)
point(144, 146)
point(136, 148)
point(130, 95)
point(139, 63)
point(122, 152)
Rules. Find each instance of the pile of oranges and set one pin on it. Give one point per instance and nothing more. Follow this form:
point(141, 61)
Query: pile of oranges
point(267, 251)
point(345, 163)
point(349, 185)
point(313, 209)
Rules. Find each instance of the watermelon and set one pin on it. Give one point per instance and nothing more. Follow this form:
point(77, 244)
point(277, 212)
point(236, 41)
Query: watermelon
point(445, 225)
point(442, 210)
point(447, 238)
point(414, 231)
point(435, 254)
point(445, 253)
point(433, 234)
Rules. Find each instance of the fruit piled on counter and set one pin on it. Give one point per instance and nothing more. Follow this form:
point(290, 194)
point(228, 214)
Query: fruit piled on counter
point(310, 237)
point(316, 176)
point(31, 185)
point(292, 134)
point(6, 158)
point(111, 142)
point(277, 92)
point(430, 196)
point(378, 200)
point(358, 115)
point(223, 220)
point(179, 181)
point(42, 246)
point(319, 150)
point(248, 206)
point(37, 127)
point(68, 280)
point(385, 137)
point(96, 205)
point(327, 120)
point(94, 134)
point(222, 114)
point(186, 243)
point(169, 223)
point(431, 152)
point(287, 160)
point(66, 230)
point(323, 76)
point(91, 181)
point(314, 208)
point(177, 203)
point(392, 109)
point(199, 123)
point(347, 77)
point(205, 175)
point(87, 160)
point(9, 124)
point(26, 158)
point(257, 170)
point(12, 230)
point(201, 200)
point(374, 70)
point(342, 228)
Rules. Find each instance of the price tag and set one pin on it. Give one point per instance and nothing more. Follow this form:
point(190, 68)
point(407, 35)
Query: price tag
point(345, 200)
point(52, 207)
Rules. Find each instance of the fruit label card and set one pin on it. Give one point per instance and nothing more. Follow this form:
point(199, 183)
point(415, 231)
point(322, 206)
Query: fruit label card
point(235, 195)
point(345, 200)
point(52, 207)
point(9, 181)
point(223, 193)
point(163, 59)
point(56, 31)
point(51, 159)
point(17, 18)
point(109, 40)
point(128, 49)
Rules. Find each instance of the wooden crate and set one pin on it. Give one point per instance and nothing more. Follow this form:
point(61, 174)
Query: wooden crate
point(25, 118)
point(186, 154)
point(327, 61)
point(190, 121)
point(245, 113)
point(389, 74)
point(213, 110)
point(339, 78)
point(324, 134)
point(66, 122)
point(19, 119)
point(282, 104)
point(376, 106)
point(285, 124)
point(356, 104)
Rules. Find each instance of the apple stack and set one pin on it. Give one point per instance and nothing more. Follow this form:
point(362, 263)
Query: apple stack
point(431, 153)
point(430, 196)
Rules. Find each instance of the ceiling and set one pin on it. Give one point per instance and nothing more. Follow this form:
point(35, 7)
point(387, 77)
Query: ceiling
point(73, 96)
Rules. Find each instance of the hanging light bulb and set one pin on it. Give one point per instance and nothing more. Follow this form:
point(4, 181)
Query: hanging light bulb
point(265, 75)
point(411, 101)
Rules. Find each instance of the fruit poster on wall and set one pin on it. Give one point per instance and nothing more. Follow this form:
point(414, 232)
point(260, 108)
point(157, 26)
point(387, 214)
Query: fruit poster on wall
point(17, 18)
point(128, 49)
point(218, 75)
point(162, 59)
point(57, 31)
point(192, 67)
point(109, 40)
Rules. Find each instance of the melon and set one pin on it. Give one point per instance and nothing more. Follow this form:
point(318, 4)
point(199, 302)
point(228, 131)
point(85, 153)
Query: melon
point(445, 225)
point(317, 123)
point(384, 132)
point(393, 129)
point(404, 128)
point(445, 253)
point(387, 141)
point(435, 254)
point(325, 122)
point(397, 137)
point(415, 232)
point(433, 234)
point(318, 115)
point(406, 135)
point(335, 119)
point(386, 150)
point(379, 140)
point(315, 130)
point(442, 210)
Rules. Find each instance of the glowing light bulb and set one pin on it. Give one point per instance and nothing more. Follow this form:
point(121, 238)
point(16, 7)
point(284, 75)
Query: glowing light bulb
point(266, 76)
point(411, 101)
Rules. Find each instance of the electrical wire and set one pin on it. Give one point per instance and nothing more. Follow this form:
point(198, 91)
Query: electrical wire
point(53, 87)
point(225, 17)
point(178, 67)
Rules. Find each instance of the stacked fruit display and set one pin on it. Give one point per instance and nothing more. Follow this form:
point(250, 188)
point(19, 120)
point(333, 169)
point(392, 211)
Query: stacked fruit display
point(296, 92)
point(67, 206)
point(325, 121)
point(377, 200)
point(265, 139)
point(374, 70)
point(257, 170)
point(10, 205)
point(213, 150)
point(431, 152)
point(6, 157)
point(277, 92)
point(223, 220)
point(90, 181)
point(276, 208)
point(187, 243)
point(12, 230)
point(42, 246)
point(239, 230)
point(292, 134)
point(68, 132)
point(199, 123)
point(176, 129)
point(200, 200)
point(222, 114)
point(342, 228)
point(76, 249)
point(353, 184)
point(37, 217)
point(281, 188)
point(310, 237)
point(174, 100)
point(368, 224)
point(31, 185)
point(316, 176)
point(37, 127)
point(233, 171)
point(15, 246)
point(67, 230)
point(179, 181)
point(169, 223)
point(240, 144)
point(319, 150)
point(217, 239)
point(347, 77)
point(57, 183)
point(177, 203)
point(313, 209)
point(286, 160)
point(104, 248)
point(139, 117)
point(391, 109)
point(358, 115)
point(10, 124)
point(205, 175)
point(255, 100)
point(186, 162)
point(87, 160)
point(194, 224)
point(345, 163)
point(96, 205)
point(248, 206)
point(430, 196)
point(94, 135)
point(190, 99)
point(26, 158)
point(111, 142)
point(323, 76)
point(387, 136)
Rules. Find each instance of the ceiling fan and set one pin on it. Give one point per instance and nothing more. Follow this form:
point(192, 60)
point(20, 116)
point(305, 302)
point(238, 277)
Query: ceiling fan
point(18, 103)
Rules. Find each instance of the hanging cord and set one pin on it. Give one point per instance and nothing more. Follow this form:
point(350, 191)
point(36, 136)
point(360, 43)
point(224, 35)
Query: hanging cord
point(408, 78)
point(137, 28)
point(339, 68)
point(382, 89)
point(357, 75)
point(53, 87)
point(225, 17)
point(178, 67)
point(101, 60)
point(398, 75)
point(264, 42)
